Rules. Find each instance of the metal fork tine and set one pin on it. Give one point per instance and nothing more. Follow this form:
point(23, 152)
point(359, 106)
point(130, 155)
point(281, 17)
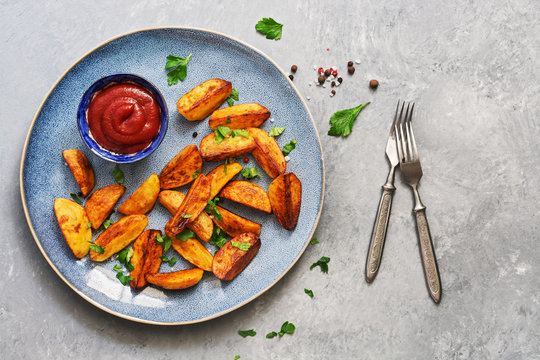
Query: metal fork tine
point(413, 140)
point(403, 138)
point(394, 122)
point(409, 140)
point(399, 135)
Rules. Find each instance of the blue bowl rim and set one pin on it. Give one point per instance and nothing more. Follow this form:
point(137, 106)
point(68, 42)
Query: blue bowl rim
point(82, 122)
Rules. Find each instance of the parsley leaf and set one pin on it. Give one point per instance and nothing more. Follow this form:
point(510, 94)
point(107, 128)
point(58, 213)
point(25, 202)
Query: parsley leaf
point(180, 72)
point(343, 120)
point(219, 237)
point(322, 263)
point(97, 248)
point(211, 209)
point(276, 131)
point(125, 255)
point(237, 357)
point(76, 198)
point(250, 173)
point(287, 328)
point(245, 333)
point(269, 27)
point(242, 246)
point(225, 166)
point(271, 335)
point(228, 121)
point(123, 278)
point(185, 235)
point(232, 98)
point(221, 133)
point(105, 225)
point(309, 292)
point(170, 261)
point(118, 174)
point(187, 216)
point(314, 241)
point(196, 173)
point(89, 225)
point(165, 241)
point(241, 132)
point(290, 146)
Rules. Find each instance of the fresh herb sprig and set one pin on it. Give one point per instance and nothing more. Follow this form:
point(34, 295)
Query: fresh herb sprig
point(180, 68)
point(170, 261)
point(250, 173)
point(76, 198)
point(212, 209)
point(343, 120)
point(185, 235)
point(309, 292)
point(276, 131)
point(290, 146)
point(219, 237)
point(118, 175)
point(322, 263)
point(269, 27)
point(165, 241)
point(233, 97)
point(246, 333)
point(97, 248)
point(240, 245)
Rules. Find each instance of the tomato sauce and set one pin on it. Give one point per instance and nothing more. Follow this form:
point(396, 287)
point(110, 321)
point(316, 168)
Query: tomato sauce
point(124, 118)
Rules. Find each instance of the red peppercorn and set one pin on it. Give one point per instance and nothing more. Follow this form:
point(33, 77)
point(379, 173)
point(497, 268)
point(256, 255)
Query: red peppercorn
point(334, 72)
point(246, 159)
point(331, 69)
point(321, 70)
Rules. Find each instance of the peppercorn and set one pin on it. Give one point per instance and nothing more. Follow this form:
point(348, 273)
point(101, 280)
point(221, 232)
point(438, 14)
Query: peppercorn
point(373, 84)
point(340, 80)
point(327, 72)
point(333, 92)
point(246, 159)
point(333, 83)
point(195, 134)
point(321, 79)
point(350, 63)
point(321, 70)
point(291, 77)
point(351, 69)
point(294, 68)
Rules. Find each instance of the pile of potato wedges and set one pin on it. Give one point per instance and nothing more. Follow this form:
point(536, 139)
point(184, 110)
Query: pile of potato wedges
point(195, 217)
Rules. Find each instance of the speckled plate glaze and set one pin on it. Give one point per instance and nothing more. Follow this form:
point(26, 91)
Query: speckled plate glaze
point(45, 176)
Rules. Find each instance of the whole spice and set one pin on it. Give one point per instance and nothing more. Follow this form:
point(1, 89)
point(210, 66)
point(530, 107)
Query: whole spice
point(291, 77)
point(321, 79)
point(333, 83)
point(320, 70)
point(334, 73)
point(333, 92)
point(327, 72)
point(350, 63)
point(195, 134)
point(373, 84)
point(246, 159)
point(351, 69)
point(294, 68)
point(340, 80)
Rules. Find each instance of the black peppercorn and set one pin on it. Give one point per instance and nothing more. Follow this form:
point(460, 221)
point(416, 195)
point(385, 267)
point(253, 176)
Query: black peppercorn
point(333, 83)
point(194, 134)
point(327, 72)
point(350, 63)
point(373, 84)
point(321, 79)
point(351, 69)
point(291, 77)
point(294, 68)
point(340, 80)
point(333, 92)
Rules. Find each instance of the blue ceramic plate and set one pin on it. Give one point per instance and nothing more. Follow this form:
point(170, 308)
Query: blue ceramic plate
point(45, 176)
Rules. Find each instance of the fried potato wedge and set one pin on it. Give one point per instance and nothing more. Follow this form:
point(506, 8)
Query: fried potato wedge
point(146, 258)
point(194, 252)
point(230, 147)
point(191, 207)
point(143, 199)
point(240, 116)
point(229, 261)
point(119, 235)
point(235, 225)
point(247, 193)
point(285, 194)
point(202, 226)
point(177, 280)
point(101, 203)
point(81, 168)
point(267, 153)
point(219, 178)
point(74, 225)
point(199, 102)
point(179, 171)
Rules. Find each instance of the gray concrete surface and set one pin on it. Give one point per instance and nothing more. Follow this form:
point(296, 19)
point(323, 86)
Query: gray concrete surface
point(471, 66)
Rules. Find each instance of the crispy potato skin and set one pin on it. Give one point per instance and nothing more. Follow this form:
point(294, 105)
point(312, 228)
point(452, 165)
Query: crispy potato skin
point(267, 153)
point(119, 235)
point(101, 203)
point(241, 116)
point(192, 206)
point(199, 102)
point(194, 252)
point(74, 225)
point(202, 226)
point(143, 199)
point(285, 194)
point(179, 171)
point(230, 147)
point(146, 258)
point(229, 261)
point(218, 178)
point(176, 280)
point(235, 225)
point(81, 168)
point(247, 193)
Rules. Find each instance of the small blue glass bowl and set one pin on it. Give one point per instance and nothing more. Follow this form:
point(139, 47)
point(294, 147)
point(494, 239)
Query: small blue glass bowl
point(84, 130)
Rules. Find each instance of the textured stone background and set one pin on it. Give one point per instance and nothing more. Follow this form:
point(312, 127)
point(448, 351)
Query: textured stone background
point(471, 66)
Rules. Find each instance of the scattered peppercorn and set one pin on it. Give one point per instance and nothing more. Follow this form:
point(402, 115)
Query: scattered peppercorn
point(320, 70)
point(333, 92)
point(291, 77)
point(373, 84)
point(340, 80)
point(327, 72)
point(350, 63)
point(351, 69)
point(333, 83)
point(294, 68)
point(321, 79)
point(195, 134)
point(79, 193)
point(334, 73)
point(246, 159)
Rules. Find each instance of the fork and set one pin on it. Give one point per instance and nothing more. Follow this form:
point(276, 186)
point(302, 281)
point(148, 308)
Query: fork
point(411, 173)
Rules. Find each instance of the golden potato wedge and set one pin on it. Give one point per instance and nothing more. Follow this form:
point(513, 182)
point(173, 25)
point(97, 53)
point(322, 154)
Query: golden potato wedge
point(285, 194)
point(240, 116)
point(146, 258)
point(199, 102)
point(229, 261)
point(202, 226)
point(218, 178)
point(143, 199)
point(267, 153)
point(179, 171)
point(235, 225)
point(192, 206)
point(74, 225)
point(81, 168)
point(230, 147)
point(177, 280)
point(247, 193)
point(194, 252)
point(101, 203)
point(119, 235)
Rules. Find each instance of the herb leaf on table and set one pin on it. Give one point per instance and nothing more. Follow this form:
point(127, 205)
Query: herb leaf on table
point(269, 27)
point(342, 121)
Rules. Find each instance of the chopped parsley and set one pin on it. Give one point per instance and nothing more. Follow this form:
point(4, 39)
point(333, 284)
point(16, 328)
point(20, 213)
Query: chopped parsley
point(165, 241)
point(89, 225)
point(287, 328)
point(223, 132)
point(97, 248)
point(124, 279)
point(196, 173)
point(245, 333)
point(225, 166)
point(232, 98)
point(343, 120)
point(124, 258)
point(290, 146)
point(105, 225)
point(322, 263)
point(228, 121)
point(237, 357)
point(219, 237)
point(314, 241)
point(250, 173)
point(185, 235)
point(187, 216)
point(269, 27)
point(309, 292)
point(271, 335)
point(240, 245)
point(276, 131)
point(212, 209)
point(180, 68)
point(240, 132)
point(118, 174)
point(170, 261)
point(76, 198)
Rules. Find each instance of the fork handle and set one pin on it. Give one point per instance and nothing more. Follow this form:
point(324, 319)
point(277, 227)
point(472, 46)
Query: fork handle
point(378, 235)
point(429, 261)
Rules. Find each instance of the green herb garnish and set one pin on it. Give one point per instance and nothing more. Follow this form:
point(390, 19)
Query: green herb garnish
point(232, 98)
point(89, 225)
point(287, 328)
point(322, 263)
point(290, 146)
point(271, 335)
point(187, 216)
point(118, 174)
point(124, 258)
point(343, 120)
point(105, 225)
point(180, 72)
point(242, 246)
point(221, 133)
point(228, 121)
point(76, 198)
point(185, 235)
point(314, 241)
point(241, 132)
point(245, 333)
point(196, 173)
point(124, 279)
point(219, 237)
point(276, 131)
point(212, 209)
point(97, 248)
point(309, 292)
point(249, 173)
point(225, 166)
point(170, 261)
point(269, 27)
point(165, 241)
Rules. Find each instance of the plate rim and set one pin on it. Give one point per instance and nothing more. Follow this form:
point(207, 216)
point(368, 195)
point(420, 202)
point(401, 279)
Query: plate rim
point(53, 266)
